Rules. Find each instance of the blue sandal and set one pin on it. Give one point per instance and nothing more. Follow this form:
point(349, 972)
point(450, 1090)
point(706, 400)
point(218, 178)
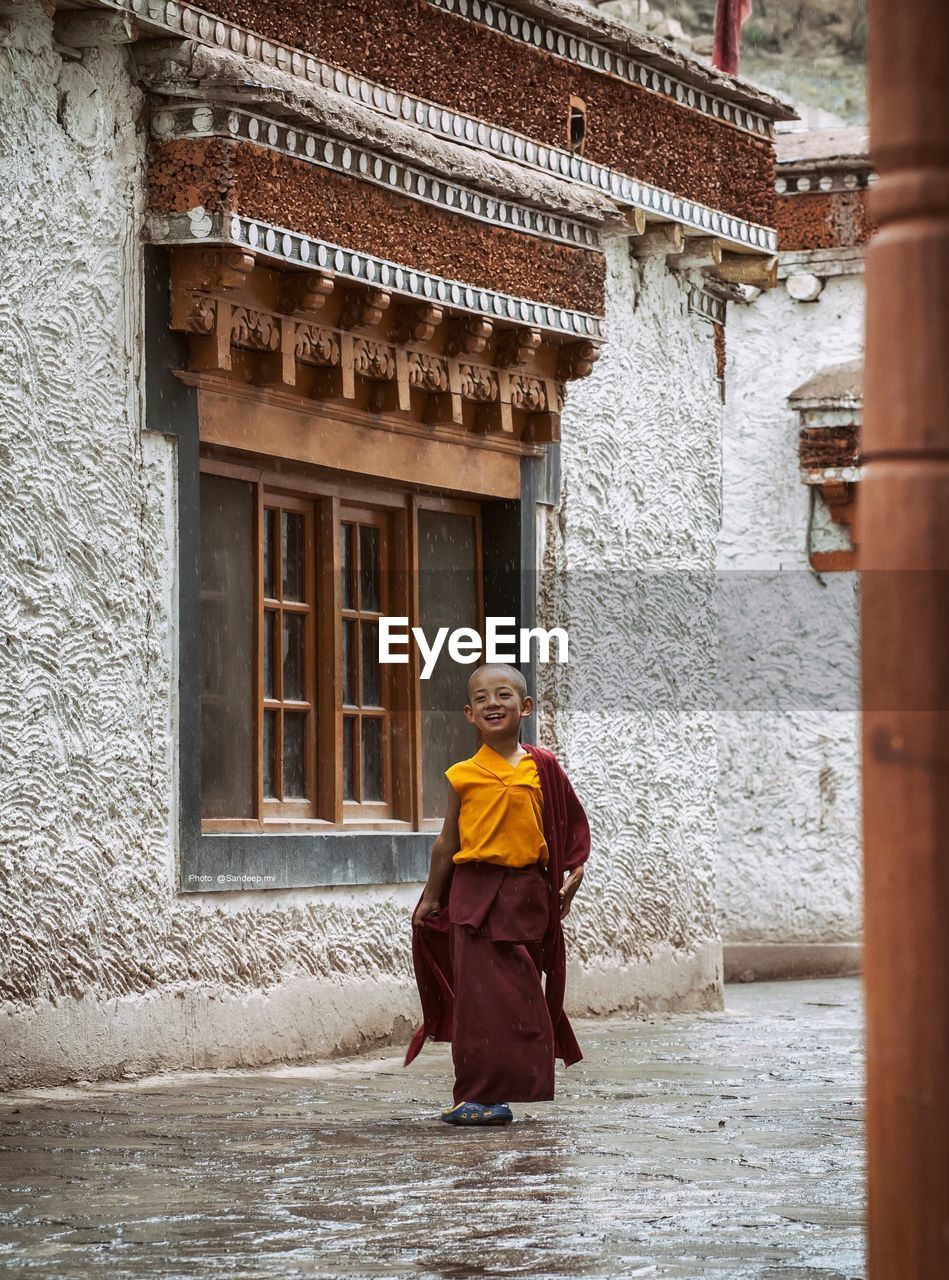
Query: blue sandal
point(478, 1113)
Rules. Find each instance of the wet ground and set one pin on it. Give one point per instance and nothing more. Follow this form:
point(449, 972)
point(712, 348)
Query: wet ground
point(720, 1146)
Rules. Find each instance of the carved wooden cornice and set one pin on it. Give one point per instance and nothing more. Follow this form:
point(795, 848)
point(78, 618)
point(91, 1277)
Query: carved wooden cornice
point(321, 339)
point(295, 253)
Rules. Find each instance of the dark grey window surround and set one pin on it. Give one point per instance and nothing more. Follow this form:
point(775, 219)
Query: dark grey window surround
point(224, 863)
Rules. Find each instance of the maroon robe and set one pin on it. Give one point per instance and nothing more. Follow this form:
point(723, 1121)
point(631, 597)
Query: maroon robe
point(503, 930)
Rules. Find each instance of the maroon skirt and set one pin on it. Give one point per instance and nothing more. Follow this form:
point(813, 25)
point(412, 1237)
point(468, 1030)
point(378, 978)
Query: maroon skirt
point(502, 1038)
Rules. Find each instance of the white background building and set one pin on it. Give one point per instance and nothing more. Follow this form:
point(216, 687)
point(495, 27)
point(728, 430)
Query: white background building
point(789, 866)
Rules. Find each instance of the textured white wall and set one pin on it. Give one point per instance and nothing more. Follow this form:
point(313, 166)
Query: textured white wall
point(631, 714)
point(103, 968)
point(101, 964)
point(789, 851)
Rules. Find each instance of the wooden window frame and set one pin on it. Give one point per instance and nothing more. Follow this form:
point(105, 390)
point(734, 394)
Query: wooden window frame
point(304, 807)
point(362, 517)
point(576, 108)
point(329, 499)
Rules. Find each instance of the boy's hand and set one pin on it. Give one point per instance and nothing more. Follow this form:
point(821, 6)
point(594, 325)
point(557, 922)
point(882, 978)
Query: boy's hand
point(427, 907)
point(568, 889)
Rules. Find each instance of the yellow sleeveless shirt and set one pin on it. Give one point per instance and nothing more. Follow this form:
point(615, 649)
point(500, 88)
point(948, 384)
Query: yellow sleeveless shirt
point(502, 810)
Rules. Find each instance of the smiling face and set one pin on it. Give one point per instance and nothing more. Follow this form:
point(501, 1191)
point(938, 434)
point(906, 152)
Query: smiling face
point(497, 702)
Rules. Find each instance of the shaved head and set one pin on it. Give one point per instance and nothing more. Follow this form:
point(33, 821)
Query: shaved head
point(510, 675)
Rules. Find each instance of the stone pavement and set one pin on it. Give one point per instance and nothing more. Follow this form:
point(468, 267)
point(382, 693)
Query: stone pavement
point(717, 1146)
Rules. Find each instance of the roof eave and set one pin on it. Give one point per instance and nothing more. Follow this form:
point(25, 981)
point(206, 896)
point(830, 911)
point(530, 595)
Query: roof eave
point(581, 20)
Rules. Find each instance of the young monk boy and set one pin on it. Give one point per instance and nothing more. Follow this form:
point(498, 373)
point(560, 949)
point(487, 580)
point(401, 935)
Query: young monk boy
point(504, 872)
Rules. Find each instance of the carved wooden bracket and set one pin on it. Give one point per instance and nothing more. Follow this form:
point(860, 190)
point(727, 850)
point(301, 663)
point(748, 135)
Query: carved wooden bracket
point(516, 346)
point(699, 253)
point(305, 292)
point(315, 345)
point(528, 393)
point(363, 310)
point(667, 238)
point(428, 374)
point(271, 335)
point(202, 314)
point(224, 268)
point(254, 329)
point(468, 335)
point(840, 496)
point(374, 360)
point(576, 360)
point(478, 383)
point(747, 269)
point(415, 323)
point(209, 319)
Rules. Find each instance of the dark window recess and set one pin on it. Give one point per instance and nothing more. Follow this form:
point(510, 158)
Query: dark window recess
point(577, 125)
point(227, 648)
point(447, 597)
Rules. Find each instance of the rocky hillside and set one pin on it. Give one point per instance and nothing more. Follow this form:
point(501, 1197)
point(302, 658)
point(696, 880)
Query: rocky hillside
point(812, 51)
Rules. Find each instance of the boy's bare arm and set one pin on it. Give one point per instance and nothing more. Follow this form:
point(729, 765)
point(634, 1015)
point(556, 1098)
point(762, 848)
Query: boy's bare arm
point(569, 888)
point(446, 845)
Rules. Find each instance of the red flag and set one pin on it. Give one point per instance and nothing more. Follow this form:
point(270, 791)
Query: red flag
point(730, 17)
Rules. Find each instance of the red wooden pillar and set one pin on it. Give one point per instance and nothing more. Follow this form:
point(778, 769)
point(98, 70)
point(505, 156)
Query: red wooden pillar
point(904, 549)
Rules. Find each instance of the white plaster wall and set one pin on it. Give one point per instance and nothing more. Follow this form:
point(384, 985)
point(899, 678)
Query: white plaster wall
point(102, 967)
point(629, 569)
point(789, 849)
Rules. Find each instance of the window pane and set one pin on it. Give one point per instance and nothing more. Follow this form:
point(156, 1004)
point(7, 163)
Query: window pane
point(347, 562)
point(294, 754)
point(349, 762)
point(294, 657)
point(270, 736)
point(269, 623)
point(369, 573)
point(270, 554)
point(371, 758)
point(447, 597)
point(228, 612)
point(293, 552)
point(371, 671)
point(349, 662)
